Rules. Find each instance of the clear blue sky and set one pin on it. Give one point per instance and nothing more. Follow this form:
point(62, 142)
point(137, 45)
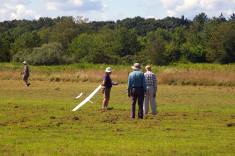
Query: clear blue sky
point(105, 10)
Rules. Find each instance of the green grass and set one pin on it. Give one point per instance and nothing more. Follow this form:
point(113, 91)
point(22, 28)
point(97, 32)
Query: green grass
point(87, 66)
point(191, 120)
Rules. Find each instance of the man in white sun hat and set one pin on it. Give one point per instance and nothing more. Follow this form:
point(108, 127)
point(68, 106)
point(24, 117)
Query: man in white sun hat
point(26, 73)
point(106, 87)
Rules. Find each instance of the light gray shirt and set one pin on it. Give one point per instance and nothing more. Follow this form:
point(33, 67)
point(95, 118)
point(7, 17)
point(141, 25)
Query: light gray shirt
point(26, 68)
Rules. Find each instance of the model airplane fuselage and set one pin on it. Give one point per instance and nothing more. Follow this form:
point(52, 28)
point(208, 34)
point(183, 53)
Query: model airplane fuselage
point(86, 99)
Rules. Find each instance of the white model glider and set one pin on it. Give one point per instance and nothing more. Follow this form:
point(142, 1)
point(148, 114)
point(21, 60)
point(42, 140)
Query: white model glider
point(81, 95)
point(88, 98)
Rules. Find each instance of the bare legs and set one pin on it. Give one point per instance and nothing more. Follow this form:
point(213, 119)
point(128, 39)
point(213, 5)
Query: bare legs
point(105, 103)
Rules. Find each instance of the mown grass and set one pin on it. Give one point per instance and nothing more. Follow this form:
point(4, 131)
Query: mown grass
point(191, 120)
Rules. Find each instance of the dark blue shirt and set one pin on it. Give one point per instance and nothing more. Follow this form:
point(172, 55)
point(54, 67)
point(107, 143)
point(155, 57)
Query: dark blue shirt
point(108, 81)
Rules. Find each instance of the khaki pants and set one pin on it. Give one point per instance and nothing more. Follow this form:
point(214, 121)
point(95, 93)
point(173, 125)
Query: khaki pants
point(149, 97)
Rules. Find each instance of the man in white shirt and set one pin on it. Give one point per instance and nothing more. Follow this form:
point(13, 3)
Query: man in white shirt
point(26, 73)
point(151, 82)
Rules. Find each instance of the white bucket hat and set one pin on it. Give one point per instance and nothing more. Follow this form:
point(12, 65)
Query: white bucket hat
point(24, 62)
point(136, 66)
point(108, 70)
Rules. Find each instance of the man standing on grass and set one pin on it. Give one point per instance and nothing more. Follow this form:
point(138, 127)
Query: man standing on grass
point(136, 89)
point(106, 87)
point(151, 82)
point(26, 73)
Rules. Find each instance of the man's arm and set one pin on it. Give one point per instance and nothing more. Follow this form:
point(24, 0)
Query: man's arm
point(144, 86)
point(129, 86)
point(24, 71)
point(103, 82)
point(154, 85)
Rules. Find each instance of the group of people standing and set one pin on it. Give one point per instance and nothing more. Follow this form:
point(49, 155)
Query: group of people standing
point(141, 86)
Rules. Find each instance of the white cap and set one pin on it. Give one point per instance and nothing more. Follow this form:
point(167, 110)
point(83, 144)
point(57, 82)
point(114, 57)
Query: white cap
point(24, 62)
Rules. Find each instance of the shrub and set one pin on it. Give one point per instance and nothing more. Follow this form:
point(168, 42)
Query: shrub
point(193, 83)
point(200, 83)
point(84, 79)
point(220, 84)
point(57, 79)
point(52, 79)
point(48, 54)
point(170, 82)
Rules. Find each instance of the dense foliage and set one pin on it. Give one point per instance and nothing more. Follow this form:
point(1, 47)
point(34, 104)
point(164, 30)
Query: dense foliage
point(66, 40)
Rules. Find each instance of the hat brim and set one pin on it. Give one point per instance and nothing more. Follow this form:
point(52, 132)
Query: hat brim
point(133, 67)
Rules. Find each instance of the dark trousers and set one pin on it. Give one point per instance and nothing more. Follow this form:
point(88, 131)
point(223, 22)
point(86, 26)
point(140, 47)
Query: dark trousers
point(137, 93)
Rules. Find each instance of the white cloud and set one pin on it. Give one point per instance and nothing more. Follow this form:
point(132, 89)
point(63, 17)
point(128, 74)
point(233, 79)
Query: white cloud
point(9, 12)
point(75, 5)
point(191, 8)
point(229, 12)
point(150, 17)
point(77, 2)
point(20, 1)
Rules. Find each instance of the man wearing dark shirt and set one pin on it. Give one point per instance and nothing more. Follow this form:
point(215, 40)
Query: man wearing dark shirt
point(136, 89)
point(106, 87)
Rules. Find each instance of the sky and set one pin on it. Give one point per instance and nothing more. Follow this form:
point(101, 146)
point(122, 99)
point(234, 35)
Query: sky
point(113, 10)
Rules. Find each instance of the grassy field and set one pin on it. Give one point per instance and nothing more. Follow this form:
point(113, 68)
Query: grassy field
point(38, 121)
point(175, 74)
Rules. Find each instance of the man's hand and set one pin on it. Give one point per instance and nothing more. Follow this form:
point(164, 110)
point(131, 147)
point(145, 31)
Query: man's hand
point(154, 94)
point(128, 94)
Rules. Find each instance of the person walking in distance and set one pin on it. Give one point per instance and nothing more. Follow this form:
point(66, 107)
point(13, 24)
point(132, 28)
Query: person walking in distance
point(26, 73)
point(151, 83)
point(136, 89)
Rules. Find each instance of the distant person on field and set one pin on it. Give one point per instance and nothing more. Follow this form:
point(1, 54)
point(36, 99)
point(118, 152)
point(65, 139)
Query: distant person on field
point(151, 83)
point(106, 87)
point(26, 73)
point(136, 89)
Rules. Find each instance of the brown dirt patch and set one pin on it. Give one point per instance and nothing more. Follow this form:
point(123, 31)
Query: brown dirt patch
point(231, 124)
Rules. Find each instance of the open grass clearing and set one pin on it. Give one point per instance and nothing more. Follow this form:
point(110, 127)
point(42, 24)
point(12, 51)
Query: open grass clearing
point(191, 120)
point(200, 74)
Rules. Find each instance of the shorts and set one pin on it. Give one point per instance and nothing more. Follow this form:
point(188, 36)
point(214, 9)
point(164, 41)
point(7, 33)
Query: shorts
point(26, 76)
point(106, 92)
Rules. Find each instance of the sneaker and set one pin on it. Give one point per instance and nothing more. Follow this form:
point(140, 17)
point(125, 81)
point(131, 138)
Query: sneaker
point(28, 84)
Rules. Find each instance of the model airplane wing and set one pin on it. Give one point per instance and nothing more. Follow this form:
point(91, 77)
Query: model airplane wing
point(88, 98)
point(78, 95)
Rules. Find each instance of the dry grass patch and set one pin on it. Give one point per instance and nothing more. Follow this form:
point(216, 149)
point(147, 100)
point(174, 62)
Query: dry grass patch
point(196, 77)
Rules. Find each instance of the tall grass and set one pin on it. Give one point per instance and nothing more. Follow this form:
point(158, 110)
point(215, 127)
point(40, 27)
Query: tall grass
point(174, 74)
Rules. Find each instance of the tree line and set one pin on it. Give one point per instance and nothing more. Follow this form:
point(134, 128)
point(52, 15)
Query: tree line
point(66, 40)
